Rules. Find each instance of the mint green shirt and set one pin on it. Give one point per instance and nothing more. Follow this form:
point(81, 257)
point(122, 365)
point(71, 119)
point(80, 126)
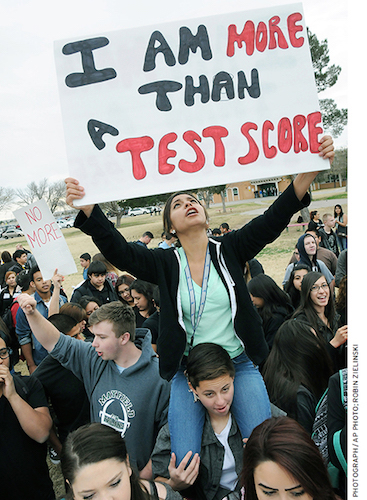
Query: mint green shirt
point(216, 324)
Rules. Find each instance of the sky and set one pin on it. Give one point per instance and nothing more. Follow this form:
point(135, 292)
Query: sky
point(32, 142)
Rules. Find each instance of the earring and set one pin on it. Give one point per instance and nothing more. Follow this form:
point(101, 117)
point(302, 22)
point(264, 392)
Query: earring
point(196, 398)
point(173, 231)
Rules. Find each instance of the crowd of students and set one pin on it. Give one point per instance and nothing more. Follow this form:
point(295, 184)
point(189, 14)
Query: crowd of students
point(167, 360)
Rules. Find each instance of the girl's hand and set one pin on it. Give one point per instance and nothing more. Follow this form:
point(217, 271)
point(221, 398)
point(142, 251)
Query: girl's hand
point(8, 383)
point(326, 148)
point(340, 337)
point(76, 192)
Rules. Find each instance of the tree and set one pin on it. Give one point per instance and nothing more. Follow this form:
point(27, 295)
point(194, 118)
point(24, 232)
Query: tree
point(338, 170)
point(114, 209)
point(53, 193)
point(207, 194)
point(326, 76)
point(6, 197)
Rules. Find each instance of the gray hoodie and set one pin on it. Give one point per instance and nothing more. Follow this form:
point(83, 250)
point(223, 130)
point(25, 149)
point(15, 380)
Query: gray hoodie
point(134, 402)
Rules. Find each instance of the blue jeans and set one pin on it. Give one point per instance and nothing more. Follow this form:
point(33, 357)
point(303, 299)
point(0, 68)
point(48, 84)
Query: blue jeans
point(342, 242)
point(186, 418)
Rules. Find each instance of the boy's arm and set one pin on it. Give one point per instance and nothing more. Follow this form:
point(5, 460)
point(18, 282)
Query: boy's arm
point(43, 330)
point(57, 280)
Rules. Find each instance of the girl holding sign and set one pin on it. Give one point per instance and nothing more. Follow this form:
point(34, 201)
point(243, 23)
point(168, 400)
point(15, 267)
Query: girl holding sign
point(203, 296)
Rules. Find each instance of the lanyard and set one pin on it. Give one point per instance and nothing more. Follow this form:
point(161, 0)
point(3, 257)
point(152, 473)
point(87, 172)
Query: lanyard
point(204, 289)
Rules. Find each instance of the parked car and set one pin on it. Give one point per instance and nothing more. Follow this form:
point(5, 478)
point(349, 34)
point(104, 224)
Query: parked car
point(12, 232)
point(137, 211)
point(62, 223)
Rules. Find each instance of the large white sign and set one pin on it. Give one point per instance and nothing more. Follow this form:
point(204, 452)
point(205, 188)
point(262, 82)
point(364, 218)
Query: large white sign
point(190, 104)
point(45, 239)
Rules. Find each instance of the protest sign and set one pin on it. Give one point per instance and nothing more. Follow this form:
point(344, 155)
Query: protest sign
point(190, 103)
point(45, 239)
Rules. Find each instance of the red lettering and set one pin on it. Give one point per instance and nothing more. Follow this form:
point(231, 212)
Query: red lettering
point(274, 29)
point(164, 153)
point(247, 35)
point(253, 153)
point(261, 37)
point(313, 119)
point(217, 133)
point(186, 166)
point(34, 214)
point(269, 152)
point(285, 137)
point(136, 146)
point(293, 29)
point(33, 239)
point(300, 142)
point(264, 33)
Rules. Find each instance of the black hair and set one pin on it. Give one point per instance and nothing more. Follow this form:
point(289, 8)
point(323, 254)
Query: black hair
point(6, 256)
point(33, 271)
point(149, 234)
point(224, 225)
point(23, 279)
point(85, 299)
point(93, 443)
point(147, 289)
point(85, 256)
point(18, 253)
point(63, 322)
point(265, 287)
point(307, 306)
point(289, 288)
point(216, 232)
point(341, 211)
point(297, 357)
point(97, 267)
point(208, 361)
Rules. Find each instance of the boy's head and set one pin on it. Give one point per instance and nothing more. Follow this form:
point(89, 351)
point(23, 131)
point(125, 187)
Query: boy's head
point(97, 274)
point(208, 361)
point(121, 316)
point(85, 259)
point(66, 324)
point(20, 256)
point(328, 220)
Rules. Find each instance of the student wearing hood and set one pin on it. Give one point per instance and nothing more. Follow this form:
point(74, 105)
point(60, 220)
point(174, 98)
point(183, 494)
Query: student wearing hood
point(307, 248)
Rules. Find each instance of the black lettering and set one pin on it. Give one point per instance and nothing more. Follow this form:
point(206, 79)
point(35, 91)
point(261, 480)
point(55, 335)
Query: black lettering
point(91, 74)
point(96, 131)
point(152, 51)
point(191, 90)
point(161, 87)
point(189, 41)
point(253, 89)
point(222, 80)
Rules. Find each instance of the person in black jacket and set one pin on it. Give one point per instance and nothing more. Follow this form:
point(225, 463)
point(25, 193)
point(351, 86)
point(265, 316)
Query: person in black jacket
point(8, 262)
point(297, 371)
point(272, 303)
point(228, 317)
point(96, 285)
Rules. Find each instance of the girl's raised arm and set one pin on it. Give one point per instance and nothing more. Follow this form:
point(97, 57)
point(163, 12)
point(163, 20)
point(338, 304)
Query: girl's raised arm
point(76, 192)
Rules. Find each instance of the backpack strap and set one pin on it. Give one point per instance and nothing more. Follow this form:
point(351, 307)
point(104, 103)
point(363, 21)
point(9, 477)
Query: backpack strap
point(338, 451)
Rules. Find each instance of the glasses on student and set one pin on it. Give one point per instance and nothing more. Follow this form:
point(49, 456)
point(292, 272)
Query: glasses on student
point(316, 288)
point(4, 353)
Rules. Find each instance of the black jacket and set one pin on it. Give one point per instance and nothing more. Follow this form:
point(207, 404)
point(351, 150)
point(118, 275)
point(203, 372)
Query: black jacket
point(107, 294)
point(229, 255)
